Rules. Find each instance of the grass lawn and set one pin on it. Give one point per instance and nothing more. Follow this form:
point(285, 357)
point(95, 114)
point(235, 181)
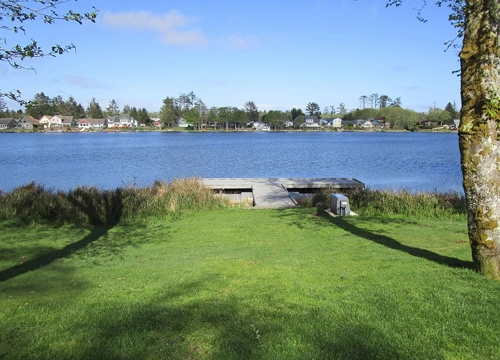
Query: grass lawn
point(246, 284)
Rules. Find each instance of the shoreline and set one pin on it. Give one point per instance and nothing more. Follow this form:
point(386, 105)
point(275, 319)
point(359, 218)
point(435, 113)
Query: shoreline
point(177, 130)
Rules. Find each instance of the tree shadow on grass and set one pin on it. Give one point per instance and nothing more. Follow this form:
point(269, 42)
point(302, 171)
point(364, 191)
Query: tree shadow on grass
point(225, 327)
point(48, 258)
point(396, 245)
point(83, 202)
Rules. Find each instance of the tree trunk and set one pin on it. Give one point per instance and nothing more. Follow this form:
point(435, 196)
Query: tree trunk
point(478, 132)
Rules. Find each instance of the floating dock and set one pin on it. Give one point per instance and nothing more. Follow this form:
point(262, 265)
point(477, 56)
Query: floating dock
point(276, 192)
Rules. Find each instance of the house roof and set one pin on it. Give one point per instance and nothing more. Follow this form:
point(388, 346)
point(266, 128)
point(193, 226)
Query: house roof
point(65, 119)
point(354, 122)
point(92, 121)
point(6, 121)
point(31, 119)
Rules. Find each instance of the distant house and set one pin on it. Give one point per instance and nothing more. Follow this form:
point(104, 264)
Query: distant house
point(28, 123)
point(259, 125)
point(57, 121)
point(62, 121)
point(332, 122)
point(45, 121)
point(183, 123)
point(288, 124)
point(354, 123)
point(87, 124)
point(121, 121)
point(428, 123)
point(337, 122)
point(378, 124)
point(367, 124)
point(7, 123)
point(311, 121)
point(157, 123)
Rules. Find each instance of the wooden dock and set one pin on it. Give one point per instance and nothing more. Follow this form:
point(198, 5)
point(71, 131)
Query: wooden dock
point(277, 192)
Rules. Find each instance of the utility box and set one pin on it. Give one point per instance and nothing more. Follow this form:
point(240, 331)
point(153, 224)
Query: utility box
point(339, 204)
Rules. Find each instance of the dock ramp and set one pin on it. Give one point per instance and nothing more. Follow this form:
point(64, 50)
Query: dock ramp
point(276, 192)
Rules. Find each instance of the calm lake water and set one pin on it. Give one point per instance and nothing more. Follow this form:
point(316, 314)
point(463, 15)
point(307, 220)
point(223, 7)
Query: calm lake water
point(415, 161)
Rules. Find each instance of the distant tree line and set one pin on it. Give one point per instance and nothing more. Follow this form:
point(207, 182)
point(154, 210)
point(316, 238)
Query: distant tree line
point(376, 101)
point(42, 104)
point(192, 110)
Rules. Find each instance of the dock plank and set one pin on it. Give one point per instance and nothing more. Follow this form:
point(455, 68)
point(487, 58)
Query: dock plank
point(273, 192)
point(269, 193)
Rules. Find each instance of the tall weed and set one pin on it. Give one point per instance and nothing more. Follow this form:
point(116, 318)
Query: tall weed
point(371, 202)
point(86, 206)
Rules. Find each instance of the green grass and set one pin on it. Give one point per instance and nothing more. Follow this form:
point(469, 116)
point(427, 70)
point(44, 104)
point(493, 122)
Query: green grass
point(246, 284)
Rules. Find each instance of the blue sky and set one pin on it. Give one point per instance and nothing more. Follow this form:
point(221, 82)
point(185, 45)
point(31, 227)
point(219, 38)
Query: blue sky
point(278, 54)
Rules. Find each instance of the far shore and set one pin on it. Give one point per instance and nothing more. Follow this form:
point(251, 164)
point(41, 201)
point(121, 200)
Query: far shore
point(187, 130)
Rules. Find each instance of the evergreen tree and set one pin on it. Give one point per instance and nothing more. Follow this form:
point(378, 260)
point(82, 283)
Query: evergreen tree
point(126, 109)
point(452, 110)
point(313, 109)
point(40, 105)
point(143, 116)
point(94, 110)
point(251, 111)
point(75, 109)
point(296, 112)
point(169, 112)
point(112, 109)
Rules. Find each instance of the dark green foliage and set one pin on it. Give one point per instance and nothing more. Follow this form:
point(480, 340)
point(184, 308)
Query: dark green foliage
point(312, 108)
point(452, 110)
point(94, 110)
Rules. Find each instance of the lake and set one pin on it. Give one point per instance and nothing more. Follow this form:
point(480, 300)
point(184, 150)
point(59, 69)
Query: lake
point(415, 161)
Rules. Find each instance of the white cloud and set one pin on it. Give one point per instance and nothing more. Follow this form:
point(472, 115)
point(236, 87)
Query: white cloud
point(173, 27)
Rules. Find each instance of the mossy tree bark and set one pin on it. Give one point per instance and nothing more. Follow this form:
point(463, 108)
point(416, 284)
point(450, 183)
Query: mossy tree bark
point(478, 132)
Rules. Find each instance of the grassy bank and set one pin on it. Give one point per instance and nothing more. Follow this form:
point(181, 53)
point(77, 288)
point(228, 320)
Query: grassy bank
point(167, 272)
point(246, 284)
point(90, 206)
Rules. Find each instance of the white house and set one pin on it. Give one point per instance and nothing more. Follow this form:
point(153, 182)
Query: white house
point(86, 124)
point(121, 121)
point(45, 121)
point(311, 121)
point(61, 121)
point(260, 126)
point(183, 123)
point(332, 122)
point(337, 123)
